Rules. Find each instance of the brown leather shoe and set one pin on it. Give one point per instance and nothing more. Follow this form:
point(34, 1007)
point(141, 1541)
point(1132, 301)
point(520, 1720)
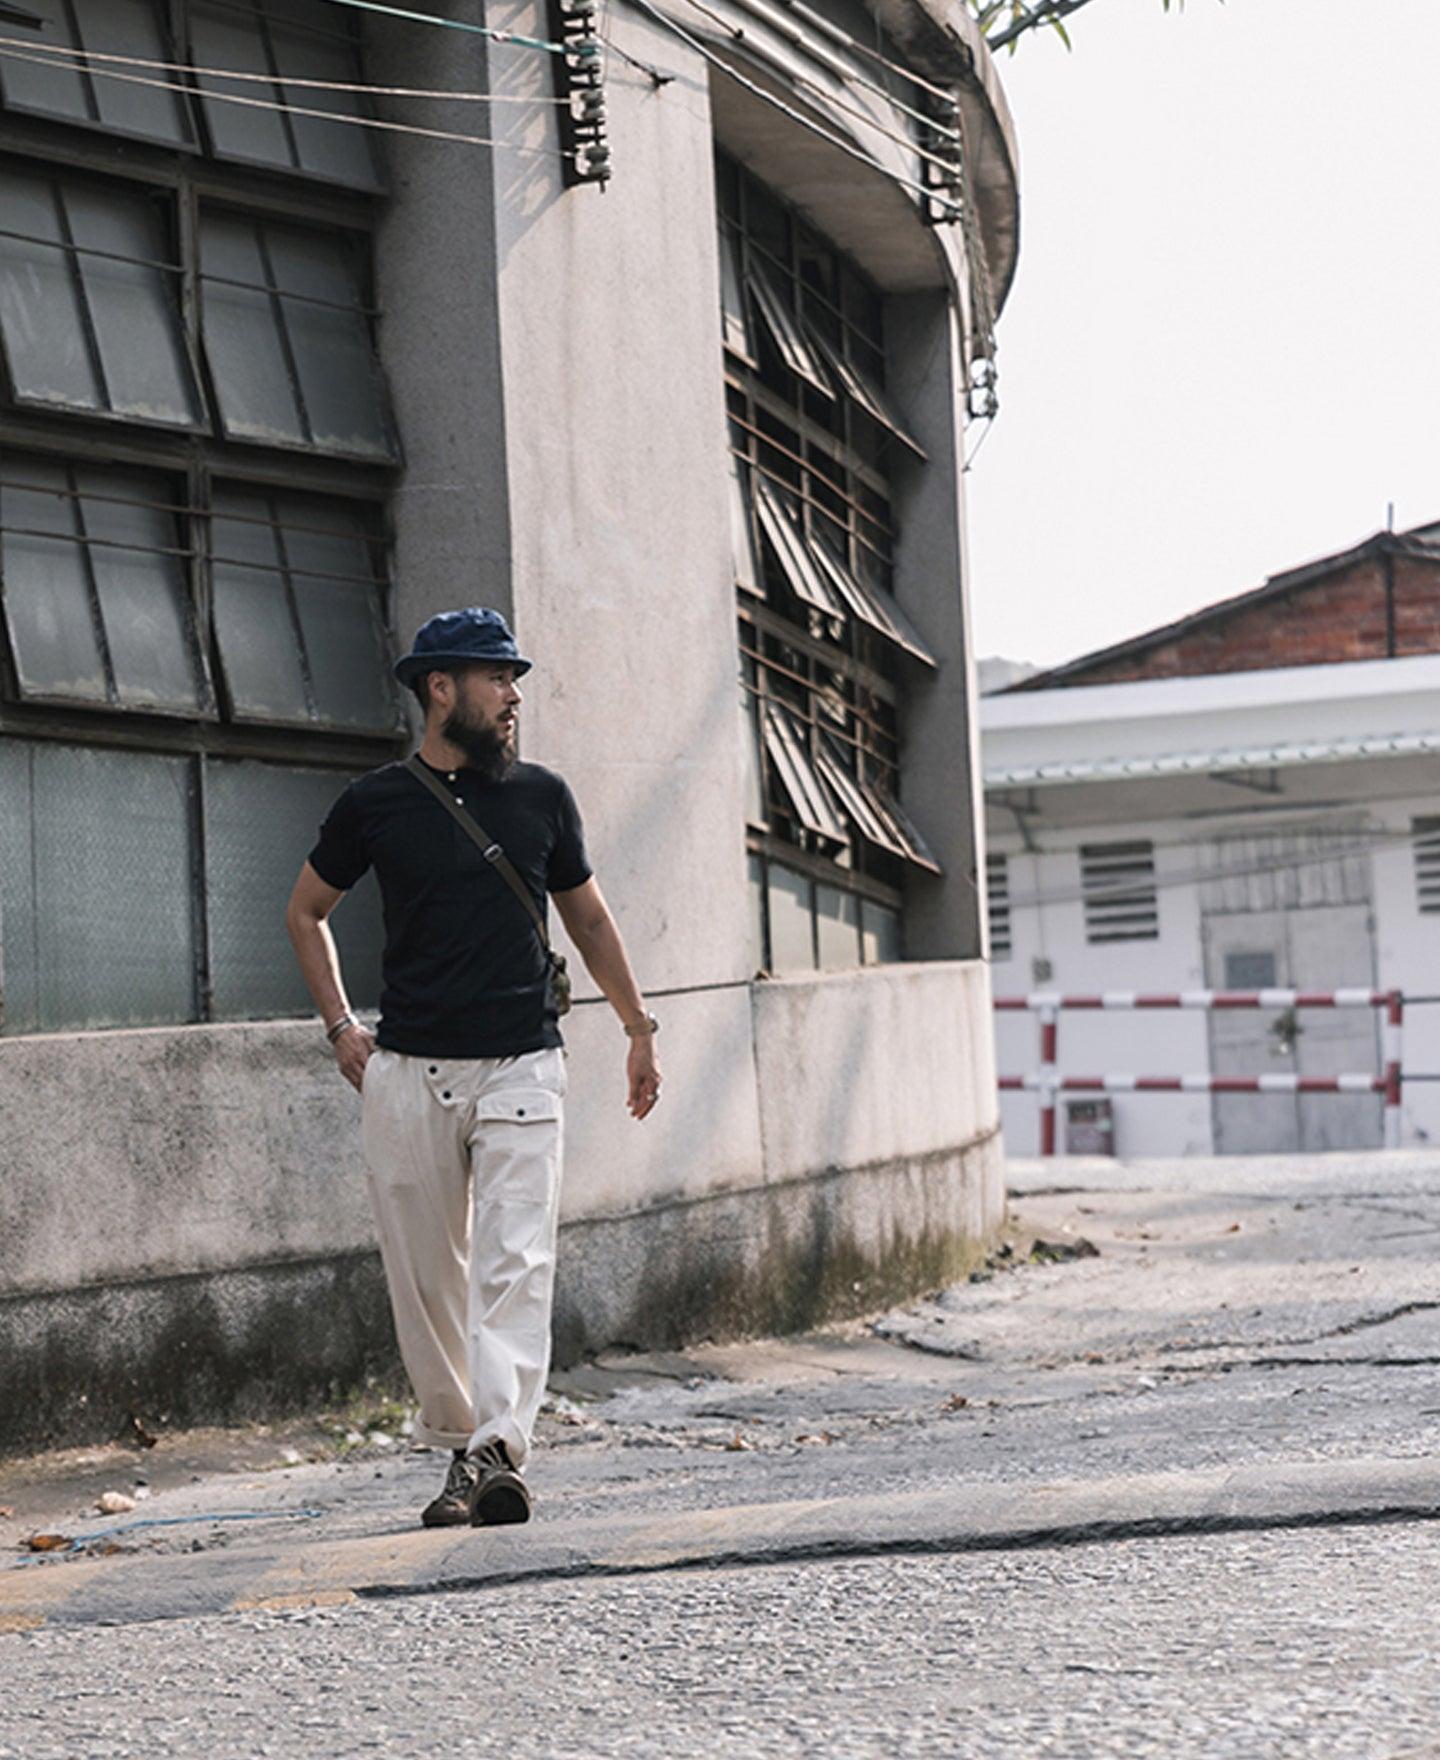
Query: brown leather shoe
point(456, 1502)
point(501, 1496)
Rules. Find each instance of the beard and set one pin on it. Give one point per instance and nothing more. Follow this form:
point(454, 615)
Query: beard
point(487, 750)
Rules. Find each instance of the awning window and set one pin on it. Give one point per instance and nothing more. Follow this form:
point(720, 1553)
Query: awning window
point(879, 821)
point(808, 581)
point(734, 312)
point(861, 389)
point(88, 313)
point(304, 43)
point(742, 532)
point(288, 339)
point(93, 580)
point(787, 751)
point(790, 340)
point(872, 604)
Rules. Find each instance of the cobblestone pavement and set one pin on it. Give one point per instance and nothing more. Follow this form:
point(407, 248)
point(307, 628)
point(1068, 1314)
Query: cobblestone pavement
point(1311, 1644)
point(1231, 1315)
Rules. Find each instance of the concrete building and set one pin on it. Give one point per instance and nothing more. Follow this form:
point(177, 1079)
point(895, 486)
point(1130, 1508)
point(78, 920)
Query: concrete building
point(276, 387)
point(1242, 800)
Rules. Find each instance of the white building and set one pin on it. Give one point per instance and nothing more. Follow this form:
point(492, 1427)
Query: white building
point(1271, 827)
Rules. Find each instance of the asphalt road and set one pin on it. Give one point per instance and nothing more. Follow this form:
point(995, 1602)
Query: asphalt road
point(1271, 1330)
point(1320, 1643)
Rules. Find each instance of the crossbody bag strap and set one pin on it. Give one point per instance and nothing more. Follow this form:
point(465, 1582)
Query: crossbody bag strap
point(486, 844)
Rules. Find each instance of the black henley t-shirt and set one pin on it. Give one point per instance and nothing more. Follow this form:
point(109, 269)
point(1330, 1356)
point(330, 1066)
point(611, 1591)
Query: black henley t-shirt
point(464, 971)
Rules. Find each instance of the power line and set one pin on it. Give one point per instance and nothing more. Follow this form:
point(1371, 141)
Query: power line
point(455, 24)
point(834, 32)
point(838, 68)
point(823, 134)
point(437, 134)
point(890, 134)
point(83, 57)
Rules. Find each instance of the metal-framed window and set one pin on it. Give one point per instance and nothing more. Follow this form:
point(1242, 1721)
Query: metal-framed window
point(287, 338)
point(90, 315)
point(1425, 839)
point(825, 649)
point(194, 606)
point(40, 79)
point(132, 67)
point(997, 893)
point(1117, 883)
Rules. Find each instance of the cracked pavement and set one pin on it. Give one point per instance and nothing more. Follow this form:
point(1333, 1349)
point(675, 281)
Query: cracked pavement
point(1255, 1338)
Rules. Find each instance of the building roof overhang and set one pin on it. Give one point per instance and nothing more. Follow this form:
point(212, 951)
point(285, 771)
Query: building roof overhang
point(1222, 723)
point(866, 213)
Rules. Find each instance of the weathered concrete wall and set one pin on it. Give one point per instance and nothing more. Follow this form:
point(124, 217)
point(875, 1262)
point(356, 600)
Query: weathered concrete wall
point(192, 1237)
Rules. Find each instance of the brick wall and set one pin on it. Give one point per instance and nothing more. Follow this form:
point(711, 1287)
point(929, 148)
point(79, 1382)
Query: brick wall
point(1339, 617)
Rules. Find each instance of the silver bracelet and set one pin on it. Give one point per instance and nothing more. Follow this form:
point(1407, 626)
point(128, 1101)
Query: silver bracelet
point(346, 1021)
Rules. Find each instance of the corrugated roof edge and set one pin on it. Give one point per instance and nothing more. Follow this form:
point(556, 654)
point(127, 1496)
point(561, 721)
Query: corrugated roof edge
point(1411, 543)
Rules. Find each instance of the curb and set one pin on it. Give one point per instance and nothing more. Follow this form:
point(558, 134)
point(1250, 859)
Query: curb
point(967, 1516)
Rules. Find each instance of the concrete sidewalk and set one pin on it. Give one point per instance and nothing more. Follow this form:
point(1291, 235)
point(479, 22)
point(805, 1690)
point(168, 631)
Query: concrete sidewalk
point(959, 1518)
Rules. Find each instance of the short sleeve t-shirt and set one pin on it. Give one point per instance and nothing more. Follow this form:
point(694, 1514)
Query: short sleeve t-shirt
point(464, 973)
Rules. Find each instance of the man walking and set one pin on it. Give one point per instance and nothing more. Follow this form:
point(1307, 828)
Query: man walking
point(462, 1086)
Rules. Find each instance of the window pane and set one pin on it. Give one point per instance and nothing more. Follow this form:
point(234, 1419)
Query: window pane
point(259, 647)
point(791, 929)
point(17, 891)
point(224, 36)
point(341, 150)
point(46, 588)
point(330, 341)
point(750, 758)
point(131, 27)
point(241, 327)
point(144, 597)
point(40, 315)
point(261, 822)
point(880, 934)
point(132, 306)
point(54, 89)
point(756, 886)
point(338, 599)
point(837, 917)
point(113, 882)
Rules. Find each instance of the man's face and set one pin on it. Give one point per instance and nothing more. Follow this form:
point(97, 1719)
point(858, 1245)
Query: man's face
point(484, 717)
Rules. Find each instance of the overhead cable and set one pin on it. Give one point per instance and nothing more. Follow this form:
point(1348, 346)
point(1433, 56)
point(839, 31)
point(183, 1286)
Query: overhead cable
point(837, 66)
point(890, 134)
point(836, 34)
point(824, 134)
point(410, 128)
point(83, 57)
point(454, 24)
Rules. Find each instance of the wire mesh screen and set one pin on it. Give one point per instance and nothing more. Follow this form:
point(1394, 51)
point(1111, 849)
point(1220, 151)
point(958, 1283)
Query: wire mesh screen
point(261, 823)
point(17, 891)
point(112, 853)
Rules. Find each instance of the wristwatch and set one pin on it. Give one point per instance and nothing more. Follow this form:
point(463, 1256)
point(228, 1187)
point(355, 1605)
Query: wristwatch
point(641, 1028)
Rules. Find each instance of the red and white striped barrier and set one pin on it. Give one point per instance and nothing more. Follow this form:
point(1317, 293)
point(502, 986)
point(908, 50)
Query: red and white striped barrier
point(1048, 1082)
point(1040, 1000)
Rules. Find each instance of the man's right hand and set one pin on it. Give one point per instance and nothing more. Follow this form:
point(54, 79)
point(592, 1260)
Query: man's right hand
point(352, 1053)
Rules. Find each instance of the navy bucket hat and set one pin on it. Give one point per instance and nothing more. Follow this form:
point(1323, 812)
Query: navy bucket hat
point(453, 638)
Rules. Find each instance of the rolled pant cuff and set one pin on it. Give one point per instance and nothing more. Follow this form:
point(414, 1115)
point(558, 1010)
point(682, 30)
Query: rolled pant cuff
point(425, 1437)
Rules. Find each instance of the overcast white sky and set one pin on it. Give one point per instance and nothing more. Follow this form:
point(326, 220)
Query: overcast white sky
point(1221, 356)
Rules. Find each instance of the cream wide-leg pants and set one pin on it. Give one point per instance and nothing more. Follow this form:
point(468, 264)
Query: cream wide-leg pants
point(464, 1162)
